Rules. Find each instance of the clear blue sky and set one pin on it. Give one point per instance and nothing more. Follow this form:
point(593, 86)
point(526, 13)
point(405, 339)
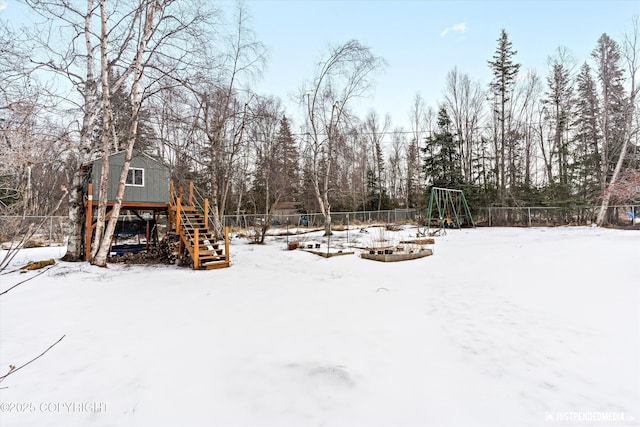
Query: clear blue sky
point(421, 40)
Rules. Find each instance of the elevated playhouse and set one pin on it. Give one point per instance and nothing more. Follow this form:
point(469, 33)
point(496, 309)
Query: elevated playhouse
point(149, 195)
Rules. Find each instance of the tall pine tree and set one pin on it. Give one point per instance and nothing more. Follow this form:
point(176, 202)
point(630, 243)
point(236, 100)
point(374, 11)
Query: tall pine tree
point(613, 98)
point(587, 169)
point(289, 168)
point(558, 101)
point(505, 71)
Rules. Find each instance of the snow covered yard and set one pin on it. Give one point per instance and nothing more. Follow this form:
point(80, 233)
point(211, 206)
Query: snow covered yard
point(501, 327)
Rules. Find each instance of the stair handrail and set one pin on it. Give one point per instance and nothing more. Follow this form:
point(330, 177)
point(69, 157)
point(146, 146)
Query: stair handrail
point(202, 203)
point(180, 218)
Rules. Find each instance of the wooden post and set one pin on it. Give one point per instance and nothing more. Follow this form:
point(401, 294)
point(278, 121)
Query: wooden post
point(171, 206)
point(146, 246)
point(88, 213)
point(190, 193)
point(206, 213)
point(177, 218)
point(196, 249)
point(226, 244)
point(178, 215)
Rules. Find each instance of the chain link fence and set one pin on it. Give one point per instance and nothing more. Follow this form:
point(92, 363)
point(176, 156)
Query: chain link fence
point(536, 216)
point(47, 230)
point(396, 216)
point(528, 216)
point(53, 230)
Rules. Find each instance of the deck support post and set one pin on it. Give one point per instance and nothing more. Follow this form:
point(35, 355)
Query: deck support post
point(178, 206)
point(88, 217)
point(226, 245)
point(196, 249)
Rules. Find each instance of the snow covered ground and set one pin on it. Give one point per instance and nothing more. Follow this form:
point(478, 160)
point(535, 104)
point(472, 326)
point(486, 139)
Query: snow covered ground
point(500, 327)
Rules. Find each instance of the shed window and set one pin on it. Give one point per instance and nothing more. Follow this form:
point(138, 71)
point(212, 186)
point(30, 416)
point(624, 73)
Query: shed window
point(135, 177)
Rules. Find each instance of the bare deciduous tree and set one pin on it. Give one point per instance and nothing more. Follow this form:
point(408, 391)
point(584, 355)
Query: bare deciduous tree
point(464, 100)
point(375, 132)
point(345, 74)
point(421, 118)
point(75, 63)
point(268, 178)
point(221, 114)
point(631, 54)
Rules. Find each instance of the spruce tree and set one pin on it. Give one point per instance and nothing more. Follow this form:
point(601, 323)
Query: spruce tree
point(613, 98)
point(558, 101)
point(288, 168)
point(442, 165)
point(505, 71)
point(413, 174)
point(586, 170)
point(122, 110)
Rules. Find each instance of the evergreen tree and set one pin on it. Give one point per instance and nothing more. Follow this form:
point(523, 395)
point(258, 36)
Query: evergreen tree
point(505, 71)
point(558, 101)
point(586, 169)
point(309, 200)
point(413, 174)
point(613, 98)
point(442, 165)
point(288, 168)
point(122, 110)
point(377, 197)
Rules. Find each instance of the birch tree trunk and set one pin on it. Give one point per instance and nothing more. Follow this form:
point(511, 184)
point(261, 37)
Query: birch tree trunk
point(99, 235)
point(631, 55)
point(150, 9)
point(341, 77)
point(75, 247)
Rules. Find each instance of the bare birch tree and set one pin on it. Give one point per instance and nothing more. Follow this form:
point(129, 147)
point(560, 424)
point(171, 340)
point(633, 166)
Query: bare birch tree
point(75, 63)
point(464, 100)
point(631, 54)
point(397, 168)
point(420, 117)
point(157, 23)
point(268, 177)
point(375, 132)
point(343, 75)
point(220, 99)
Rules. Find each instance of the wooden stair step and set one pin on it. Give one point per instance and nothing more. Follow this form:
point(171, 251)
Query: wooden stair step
point(211, 256)
point(203, 233)
point(216, 265)
point(207, 260)
point(202, 240)
point(205, 248)
point(200, 229)
point(213, 252)
point(208, 247)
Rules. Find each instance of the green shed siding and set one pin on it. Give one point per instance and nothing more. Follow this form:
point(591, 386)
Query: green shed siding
point(156, 179)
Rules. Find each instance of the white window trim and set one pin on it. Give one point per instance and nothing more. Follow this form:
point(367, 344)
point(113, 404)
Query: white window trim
point(134, 178)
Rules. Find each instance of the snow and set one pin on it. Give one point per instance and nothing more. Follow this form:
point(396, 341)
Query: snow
point(500, 327)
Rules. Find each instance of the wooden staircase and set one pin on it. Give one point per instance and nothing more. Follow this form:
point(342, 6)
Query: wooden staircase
point(196, 239)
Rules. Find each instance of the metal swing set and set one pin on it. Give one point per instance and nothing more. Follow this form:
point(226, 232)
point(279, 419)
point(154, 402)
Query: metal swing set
point(452, 210)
